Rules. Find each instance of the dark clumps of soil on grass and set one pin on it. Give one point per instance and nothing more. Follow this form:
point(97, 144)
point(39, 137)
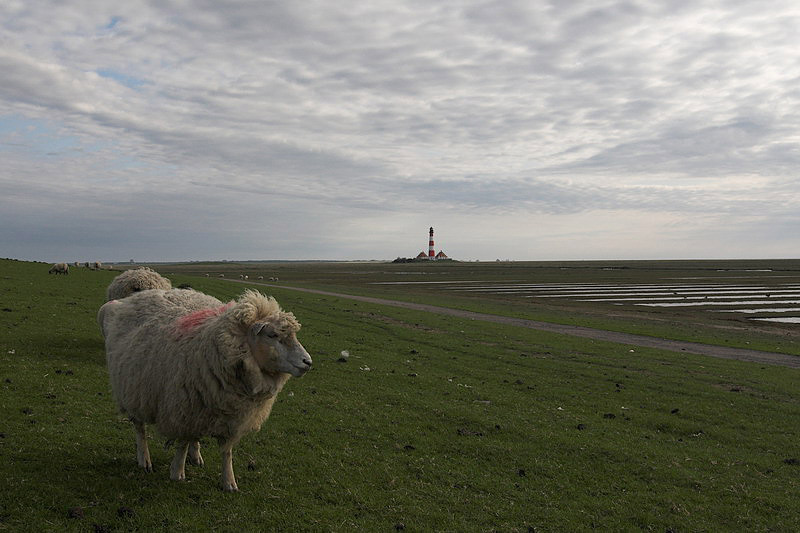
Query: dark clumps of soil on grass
point(101, 528)
point(792, 461)
point(75, 512)
point(125, 512)
point(609, 416)
point(464, 432)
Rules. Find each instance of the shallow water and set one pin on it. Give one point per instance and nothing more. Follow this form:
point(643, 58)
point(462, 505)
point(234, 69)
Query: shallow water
point(762, 310)
point(567, 292)
point(700, 296)
point(756, 290)
point(706, 302)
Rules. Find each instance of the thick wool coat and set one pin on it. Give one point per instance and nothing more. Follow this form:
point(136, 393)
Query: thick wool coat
point(180, 360)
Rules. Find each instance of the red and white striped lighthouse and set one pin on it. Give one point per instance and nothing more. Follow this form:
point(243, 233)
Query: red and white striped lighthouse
point(431, 253)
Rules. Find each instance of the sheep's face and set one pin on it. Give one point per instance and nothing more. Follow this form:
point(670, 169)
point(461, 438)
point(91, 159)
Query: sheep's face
point(276, 352)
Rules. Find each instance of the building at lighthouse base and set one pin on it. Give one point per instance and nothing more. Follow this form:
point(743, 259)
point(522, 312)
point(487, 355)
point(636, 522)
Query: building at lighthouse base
point(423, 257)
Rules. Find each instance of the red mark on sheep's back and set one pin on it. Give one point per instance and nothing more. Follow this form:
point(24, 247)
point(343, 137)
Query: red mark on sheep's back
point(187, 323)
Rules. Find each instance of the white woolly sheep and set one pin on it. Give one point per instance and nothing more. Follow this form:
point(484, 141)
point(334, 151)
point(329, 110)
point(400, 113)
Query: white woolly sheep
point(260, 277)
point(59, 268)
point(136, 280)
point(193, 366)
point(98, 265)
point(77, 264)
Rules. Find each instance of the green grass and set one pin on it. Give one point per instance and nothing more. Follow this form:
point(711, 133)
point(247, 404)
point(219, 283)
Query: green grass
point(457, 425)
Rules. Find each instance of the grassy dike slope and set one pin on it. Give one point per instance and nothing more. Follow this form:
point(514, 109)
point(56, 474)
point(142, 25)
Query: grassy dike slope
point(433, 424)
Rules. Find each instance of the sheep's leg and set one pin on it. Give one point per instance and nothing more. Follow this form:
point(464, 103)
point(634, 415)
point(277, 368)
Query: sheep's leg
point(177, 469)
point(228, 479)
point(194, 453)
point(142, 451)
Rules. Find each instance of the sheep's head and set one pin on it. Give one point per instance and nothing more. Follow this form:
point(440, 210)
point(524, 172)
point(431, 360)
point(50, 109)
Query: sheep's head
point(276, 349)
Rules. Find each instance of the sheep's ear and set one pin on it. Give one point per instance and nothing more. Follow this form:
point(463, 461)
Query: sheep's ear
point(248, 373)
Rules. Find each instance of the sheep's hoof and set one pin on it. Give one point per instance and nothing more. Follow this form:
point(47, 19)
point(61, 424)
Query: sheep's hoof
point(230, 487)
point(178, 476)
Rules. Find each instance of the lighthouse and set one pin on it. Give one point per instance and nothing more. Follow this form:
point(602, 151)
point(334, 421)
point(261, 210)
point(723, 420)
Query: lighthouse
point(431, 255)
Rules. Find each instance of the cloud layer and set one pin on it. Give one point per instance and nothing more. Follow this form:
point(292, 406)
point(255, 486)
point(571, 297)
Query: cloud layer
point(524, 130)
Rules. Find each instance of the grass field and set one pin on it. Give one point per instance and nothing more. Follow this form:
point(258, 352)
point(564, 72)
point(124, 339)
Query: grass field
point(433, 423)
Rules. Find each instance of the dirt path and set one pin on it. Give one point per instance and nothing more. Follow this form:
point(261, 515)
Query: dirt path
point(724, 352)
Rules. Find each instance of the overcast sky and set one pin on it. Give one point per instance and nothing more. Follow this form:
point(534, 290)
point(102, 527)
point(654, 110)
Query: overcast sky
point(528, 130)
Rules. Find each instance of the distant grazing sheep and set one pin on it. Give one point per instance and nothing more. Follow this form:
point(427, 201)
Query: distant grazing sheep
point(98, 265)
point(136, 280)
point(222, 275)
point(193, 366)
point(77, 264)
point(59, 268)
point(260, 277)
point(88, 264)
point(241, 276)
